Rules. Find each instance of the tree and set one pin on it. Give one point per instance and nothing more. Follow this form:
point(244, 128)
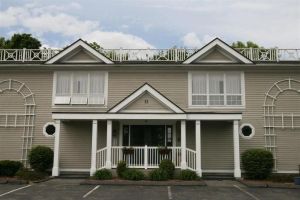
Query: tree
point(248, 44)
point(20, 41)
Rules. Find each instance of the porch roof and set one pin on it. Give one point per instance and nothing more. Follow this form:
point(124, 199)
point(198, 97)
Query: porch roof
point(137, 116)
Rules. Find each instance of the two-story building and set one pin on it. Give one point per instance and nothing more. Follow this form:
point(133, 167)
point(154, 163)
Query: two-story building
point(95, 108)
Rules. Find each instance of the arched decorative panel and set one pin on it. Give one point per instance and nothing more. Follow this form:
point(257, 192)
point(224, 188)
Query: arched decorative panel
point(273, 120)
point(25, 119)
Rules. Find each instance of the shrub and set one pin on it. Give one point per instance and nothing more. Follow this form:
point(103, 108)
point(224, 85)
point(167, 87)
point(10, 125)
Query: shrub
point(188, 175)
point(9, 167)
point(28, 175)
point(158, 175)
point(168, 167)
point(282, 178)
point(103, 174)
point(133, 174)
point(257, 163)
point(121, 168)
point(41, 158)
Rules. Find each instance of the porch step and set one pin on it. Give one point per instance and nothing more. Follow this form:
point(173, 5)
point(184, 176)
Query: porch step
point(218, 176)
point(74, 175)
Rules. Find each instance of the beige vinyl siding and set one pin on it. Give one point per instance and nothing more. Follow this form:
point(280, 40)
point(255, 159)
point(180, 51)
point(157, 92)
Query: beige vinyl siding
point(146, 102)
point(288, 140)
point(75, 145)
point(217, 145)
point(171, 84)
point(40, 83)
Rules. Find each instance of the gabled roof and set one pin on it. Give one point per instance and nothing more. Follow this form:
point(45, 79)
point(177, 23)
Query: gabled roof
point(139, 92)
point(73, 49)
point(222, 49)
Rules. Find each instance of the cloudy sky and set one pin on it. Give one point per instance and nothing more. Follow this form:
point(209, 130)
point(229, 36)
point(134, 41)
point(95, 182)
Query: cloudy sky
point(154, 23)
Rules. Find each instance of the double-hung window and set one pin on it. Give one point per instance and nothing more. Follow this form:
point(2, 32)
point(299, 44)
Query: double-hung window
point(216, 89)
point(80, 88)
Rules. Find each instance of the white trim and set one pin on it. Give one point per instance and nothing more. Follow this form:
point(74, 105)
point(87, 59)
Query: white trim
point(252, 128)
point(73, 47)
point(44, 129)
point(239, 107)
point(94, 147)
point(198, 147)
point(236, 149)
point(183, 144)
point(108, 144)
point(286, 172)
point(146, 111)
point(217, 171)
point(141, 91)
point(73, 170)
point(104, 116)
point(87, 105)
point(222, 45)
point(55, 169)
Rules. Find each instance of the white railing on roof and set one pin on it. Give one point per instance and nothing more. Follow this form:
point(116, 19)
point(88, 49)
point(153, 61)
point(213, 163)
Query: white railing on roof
point(150, 55)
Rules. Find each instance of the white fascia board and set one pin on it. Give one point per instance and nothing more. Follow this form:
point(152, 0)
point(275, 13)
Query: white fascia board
point(139, 92)
point(135, 116)
point(214, 116)
point(74, 46)
point(221, 44)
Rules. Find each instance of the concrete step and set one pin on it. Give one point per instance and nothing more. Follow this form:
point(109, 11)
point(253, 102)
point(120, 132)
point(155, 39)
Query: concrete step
point(74, 175)
point(217, 176)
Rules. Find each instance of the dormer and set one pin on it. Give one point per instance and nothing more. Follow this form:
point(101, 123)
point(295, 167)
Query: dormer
point(216, 52)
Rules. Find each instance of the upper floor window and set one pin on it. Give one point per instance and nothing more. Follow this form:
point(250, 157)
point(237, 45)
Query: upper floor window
point(216, 89)
point(80, 87)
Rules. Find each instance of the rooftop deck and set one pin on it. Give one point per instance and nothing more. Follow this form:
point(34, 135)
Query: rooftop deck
point(150, 55)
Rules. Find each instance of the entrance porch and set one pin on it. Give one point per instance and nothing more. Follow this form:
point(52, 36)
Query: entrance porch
point(143, 141)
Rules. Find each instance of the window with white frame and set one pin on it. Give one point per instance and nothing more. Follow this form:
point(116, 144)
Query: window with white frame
point(80, 87)
point(216, 89)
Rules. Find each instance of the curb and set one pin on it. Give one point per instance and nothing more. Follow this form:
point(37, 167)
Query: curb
point(143, 183)
point(269, 185)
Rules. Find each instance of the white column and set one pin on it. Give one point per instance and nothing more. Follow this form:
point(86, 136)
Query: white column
point(198, 148)
point(94, 147)
point(108, 144)
point(183, 144)
point(236, 147)
point(55, 169)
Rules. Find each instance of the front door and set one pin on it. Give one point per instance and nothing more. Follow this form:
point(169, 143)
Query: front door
point(151, 135)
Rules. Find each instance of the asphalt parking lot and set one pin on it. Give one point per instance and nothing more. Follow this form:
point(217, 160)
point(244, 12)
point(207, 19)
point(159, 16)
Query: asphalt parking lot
point(71, 189)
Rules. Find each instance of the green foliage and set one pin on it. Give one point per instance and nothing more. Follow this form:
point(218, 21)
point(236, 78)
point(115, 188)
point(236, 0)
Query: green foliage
point(168, 167)
point(248, 44)
point(133, 174)
point(158, 175)
point(257, 163)
point(188, 175)
point(20, 41)
point(103, 174)
point(121, 168)
point(41, 158)
point(95, 46)
point(28, 175)
point(9, 167)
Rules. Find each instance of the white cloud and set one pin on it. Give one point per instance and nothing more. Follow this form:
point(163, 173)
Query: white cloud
point(191, 40)
point(116, 40)
point(52, 19)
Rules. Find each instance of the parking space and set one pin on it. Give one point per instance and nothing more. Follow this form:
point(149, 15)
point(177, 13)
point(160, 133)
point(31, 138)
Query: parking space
point(71, 189)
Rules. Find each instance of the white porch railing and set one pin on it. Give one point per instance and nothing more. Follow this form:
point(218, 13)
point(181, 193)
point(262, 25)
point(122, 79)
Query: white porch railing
point(191, 159)
point(101, 158)
point(150, 55)
point(145, 157)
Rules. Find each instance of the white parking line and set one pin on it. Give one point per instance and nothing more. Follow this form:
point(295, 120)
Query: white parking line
point(248, 193)
point(1, 195)
point(90, 192)
point(169, 192)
